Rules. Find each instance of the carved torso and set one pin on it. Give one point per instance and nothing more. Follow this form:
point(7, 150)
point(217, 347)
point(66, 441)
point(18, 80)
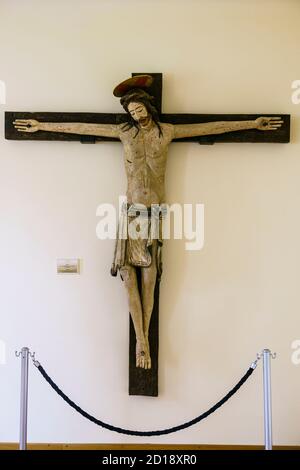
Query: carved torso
point(145, 158)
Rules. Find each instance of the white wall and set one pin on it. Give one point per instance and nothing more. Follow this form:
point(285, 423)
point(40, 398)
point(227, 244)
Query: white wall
point(219, 306)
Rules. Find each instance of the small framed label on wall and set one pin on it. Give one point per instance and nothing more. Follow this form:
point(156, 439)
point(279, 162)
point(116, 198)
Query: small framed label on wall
point(68, 266)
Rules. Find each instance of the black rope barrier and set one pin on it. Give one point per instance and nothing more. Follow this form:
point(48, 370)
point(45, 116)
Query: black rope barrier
point(145, 433)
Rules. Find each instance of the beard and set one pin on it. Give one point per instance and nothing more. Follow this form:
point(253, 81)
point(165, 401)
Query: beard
point(144, 121)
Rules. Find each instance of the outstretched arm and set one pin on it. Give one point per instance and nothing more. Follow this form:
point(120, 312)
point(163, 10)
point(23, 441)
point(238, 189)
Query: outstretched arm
point(81, 128)
point(220, 127)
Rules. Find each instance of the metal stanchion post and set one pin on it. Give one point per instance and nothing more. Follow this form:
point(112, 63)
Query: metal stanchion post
point(24, 397)
point(266, 353)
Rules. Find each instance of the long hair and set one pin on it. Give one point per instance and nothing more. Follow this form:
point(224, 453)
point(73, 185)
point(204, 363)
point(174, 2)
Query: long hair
point(139, 96)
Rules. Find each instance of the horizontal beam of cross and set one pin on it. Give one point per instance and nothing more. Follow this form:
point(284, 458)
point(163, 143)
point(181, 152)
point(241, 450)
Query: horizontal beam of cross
point(281, 135)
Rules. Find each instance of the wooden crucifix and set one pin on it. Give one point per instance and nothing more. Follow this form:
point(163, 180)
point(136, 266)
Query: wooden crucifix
point(145, 133)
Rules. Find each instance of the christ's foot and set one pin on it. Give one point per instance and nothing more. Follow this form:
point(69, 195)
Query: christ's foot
point(143, 358)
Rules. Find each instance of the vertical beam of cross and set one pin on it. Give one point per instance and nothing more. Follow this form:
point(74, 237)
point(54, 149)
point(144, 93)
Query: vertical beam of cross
point(142, 381)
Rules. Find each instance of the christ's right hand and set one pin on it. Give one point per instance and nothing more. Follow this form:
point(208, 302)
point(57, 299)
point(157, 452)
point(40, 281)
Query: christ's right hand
point(27, 125)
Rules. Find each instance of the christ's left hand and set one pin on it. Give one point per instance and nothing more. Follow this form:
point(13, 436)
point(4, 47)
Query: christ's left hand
point(268, 123)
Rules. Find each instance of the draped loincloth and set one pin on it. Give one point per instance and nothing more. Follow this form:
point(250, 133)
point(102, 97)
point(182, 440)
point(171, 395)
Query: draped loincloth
point(138, 227)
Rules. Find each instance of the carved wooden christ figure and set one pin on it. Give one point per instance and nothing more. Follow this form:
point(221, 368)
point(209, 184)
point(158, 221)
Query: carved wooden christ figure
point(145, 140)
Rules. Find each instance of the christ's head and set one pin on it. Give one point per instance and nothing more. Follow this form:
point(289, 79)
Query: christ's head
point(139, 113)
point(140, 108)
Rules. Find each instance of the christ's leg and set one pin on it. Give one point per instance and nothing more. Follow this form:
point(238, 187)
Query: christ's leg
point(148, 286)
point(128, 274)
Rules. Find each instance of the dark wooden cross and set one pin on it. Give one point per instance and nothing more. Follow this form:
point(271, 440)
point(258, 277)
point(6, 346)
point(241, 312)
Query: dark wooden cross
point(141, 381)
